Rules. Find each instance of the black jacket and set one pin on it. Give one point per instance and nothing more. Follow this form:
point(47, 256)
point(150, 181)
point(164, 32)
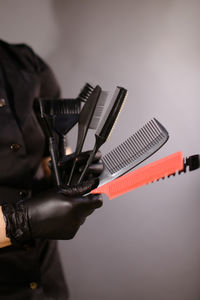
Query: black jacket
point(29, 272)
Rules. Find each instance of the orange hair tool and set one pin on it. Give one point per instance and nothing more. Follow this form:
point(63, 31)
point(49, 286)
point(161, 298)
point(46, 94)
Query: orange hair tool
point(154, 171)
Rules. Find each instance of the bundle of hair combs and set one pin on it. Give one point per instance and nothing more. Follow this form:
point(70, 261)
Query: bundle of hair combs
point(60, 115)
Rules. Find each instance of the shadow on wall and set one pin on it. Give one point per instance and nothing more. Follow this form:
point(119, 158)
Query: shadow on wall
point(100, 41)
point(30, 22)
point(66, 59)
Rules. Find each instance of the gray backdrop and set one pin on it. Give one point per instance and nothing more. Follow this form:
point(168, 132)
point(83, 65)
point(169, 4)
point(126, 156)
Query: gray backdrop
point(146, 244)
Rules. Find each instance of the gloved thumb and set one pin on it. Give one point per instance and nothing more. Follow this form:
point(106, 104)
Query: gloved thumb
point(80, 189)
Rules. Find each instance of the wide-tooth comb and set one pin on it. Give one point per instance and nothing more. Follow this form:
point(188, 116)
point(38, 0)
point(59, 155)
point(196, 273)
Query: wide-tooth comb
point(107, 123)
point(61, 106)
point(152, 172)
point(85, 92)
point(137, 148)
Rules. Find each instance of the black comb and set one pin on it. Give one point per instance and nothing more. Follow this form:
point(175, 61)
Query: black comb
point(137, 148)
point(107, 124)
point(89, 118)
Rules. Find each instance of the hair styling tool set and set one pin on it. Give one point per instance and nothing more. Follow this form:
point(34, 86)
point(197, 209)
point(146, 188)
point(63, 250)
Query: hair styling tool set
point(60, 115)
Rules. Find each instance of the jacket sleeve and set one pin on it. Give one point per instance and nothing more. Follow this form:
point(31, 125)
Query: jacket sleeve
point(28, 59)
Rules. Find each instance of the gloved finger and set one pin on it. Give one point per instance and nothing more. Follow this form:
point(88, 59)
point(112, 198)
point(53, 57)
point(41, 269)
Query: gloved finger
point(95, 201)
point(80, 189)
point(87, 204)
point(95, 168)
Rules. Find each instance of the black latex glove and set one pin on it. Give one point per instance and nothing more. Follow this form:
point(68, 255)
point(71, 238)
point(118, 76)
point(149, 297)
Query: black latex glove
point(94, 170)
point(52, 214)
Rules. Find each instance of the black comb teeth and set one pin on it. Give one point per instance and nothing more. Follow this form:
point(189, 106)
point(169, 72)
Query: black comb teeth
point(53, 107)
point(98, 110)
point(134, 147)
point(85, 92)
point(191, 163)
point(68, 107)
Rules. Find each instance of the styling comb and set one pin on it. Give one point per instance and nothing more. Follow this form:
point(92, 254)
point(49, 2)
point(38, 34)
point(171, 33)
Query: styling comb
point(165, 167)
point(137, 148)
point(88, 119)
point(106, 125)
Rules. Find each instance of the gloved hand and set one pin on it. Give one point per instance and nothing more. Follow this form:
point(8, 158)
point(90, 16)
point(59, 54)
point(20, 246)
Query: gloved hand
point(52, 214)
point(94, 170)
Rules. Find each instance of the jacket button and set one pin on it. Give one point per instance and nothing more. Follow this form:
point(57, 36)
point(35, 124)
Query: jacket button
point(33, 285)
point(2, 102)
point(15, 147)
